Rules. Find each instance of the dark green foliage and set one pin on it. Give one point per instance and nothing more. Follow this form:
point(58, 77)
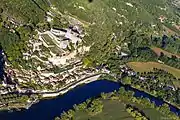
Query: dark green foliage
point(135, 113)
point(90, 1)
point(13, 98)
point(168, 43)
point(25, 11)
point(1, 10)
point(14, 45)
point(159, 83)
point(143, 54)
point(171, 61)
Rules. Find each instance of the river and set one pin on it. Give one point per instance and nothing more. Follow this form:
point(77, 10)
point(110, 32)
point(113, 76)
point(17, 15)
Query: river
point(49, 109)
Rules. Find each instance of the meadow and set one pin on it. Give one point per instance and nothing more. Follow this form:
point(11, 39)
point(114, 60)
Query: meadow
point(148, 66)
point(116, 110)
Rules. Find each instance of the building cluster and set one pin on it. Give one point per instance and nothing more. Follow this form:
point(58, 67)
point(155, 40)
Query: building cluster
point(57, 47)
point(49, 53)
point(6, 88)
point(56, 80)
point(63, 37)
point(129, 71)
point(52, 61)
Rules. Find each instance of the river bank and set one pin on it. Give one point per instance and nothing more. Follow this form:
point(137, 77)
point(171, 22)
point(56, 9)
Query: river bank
point(50, 108)
point(48, 95)
point(65, 89)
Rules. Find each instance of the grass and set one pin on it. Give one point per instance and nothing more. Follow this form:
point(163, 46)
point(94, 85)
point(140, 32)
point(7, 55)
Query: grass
point(148, 66)
point(115, 110)
point(151, 113)
point(159, 50)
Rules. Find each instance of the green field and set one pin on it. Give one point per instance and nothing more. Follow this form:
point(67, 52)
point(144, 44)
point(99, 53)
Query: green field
point(110, 27)
point(115, 110)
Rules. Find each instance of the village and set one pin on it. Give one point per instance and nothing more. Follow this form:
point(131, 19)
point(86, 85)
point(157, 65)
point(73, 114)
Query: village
point(54, 59)
point(54, 65)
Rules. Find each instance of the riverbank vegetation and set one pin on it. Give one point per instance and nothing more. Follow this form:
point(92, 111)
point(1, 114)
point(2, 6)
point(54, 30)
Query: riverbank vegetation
point(158, 82)
point(120, 104)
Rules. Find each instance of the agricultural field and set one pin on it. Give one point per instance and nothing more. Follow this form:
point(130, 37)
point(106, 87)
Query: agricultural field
point(115, 110)
point(148, 66)
point(107, 23)
point(112, 110)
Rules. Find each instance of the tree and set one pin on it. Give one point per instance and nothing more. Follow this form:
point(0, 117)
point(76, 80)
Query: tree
point(95, 107)
point(90, 1)
point(127, 80)
point(122, 91)
point(165, 109)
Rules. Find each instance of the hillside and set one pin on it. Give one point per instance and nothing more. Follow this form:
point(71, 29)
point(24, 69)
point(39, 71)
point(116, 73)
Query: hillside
point(111, 19)
point(106, 20)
